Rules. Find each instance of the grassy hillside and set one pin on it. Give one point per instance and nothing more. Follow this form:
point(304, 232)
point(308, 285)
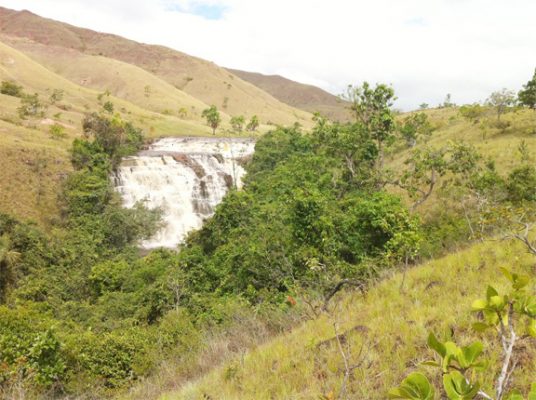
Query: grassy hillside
point(36, 162)
point(499, 143)
point(386, 329)
point(121, 79)
point(299, 95)
point(199, 78)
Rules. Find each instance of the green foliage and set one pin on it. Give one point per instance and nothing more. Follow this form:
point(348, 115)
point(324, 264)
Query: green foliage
point(414, 126)
point(298, 222)
point(183, 112)
point(108, 107)
point(415, 387)
point(57, 131)
point(110, 359)
point(521, 184)
point(372, 111)
point(447, 103)
point(253, 124)
point(472, 112)
point(10, 88)
point(427, 166)
point(31, 106)
point(29, 347)
point(114, 136)
point(527, 96)
point(237, 122)
point(457, 388)
point(212, 115)
point(84, 273)
point(509, 315)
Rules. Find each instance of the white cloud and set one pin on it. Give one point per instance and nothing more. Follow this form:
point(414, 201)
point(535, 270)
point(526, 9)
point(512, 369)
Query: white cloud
point(425, 48)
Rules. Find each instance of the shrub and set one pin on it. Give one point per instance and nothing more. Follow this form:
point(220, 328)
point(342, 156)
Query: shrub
point(472, 112)
point(29, 346)
point(31, 106)
point(10, 88)
point(110, 359)
point(521, 184)
point(57, 131)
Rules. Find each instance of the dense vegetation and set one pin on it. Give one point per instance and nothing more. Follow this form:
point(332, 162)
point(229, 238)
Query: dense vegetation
point(82, 311)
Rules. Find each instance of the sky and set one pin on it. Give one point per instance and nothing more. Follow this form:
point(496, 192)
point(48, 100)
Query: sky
point(424, 48)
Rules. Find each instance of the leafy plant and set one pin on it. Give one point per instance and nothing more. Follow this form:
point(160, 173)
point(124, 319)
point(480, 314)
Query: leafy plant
point(253, 124)
point(57, 131)
point(30, 105)
point(415, 126)
point(512, 316)
point(212, 115)
point(10, 88)
point(237, 122)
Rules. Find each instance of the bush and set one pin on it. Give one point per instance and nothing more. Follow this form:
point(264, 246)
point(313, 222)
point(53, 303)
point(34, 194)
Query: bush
point(10, 88)
point(473, 112)
point(57, 131)
point(109, 359)
point(521, 184)
point(30, 106)
point(29, 347)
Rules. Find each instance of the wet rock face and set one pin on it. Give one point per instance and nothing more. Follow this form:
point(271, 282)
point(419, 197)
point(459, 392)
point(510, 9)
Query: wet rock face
point(186, 177)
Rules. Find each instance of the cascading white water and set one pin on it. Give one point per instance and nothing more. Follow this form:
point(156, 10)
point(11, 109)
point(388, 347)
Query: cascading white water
point(186, 177)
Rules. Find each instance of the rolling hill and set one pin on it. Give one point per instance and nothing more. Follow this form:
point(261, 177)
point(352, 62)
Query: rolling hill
point(305, 97)
point(199, 78)
point(35, 162)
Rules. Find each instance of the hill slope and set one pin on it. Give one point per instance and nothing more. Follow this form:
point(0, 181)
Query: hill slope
point(199, 78)
point(386, 330)
point(299, 95)
point(34, 162)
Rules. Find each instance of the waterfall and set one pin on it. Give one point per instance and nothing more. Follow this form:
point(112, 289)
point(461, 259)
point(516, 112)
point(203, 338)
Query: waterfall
point(186, 177)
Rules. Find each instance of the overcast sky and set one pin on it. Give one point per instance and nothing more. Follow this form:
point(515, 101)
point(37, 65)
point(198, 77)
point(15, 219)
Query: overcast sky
point(424, 48)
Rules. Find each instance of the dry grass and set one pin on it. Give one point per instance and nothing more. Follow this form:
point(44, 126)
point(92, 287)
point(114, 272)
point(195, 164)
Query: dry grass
point(387, 329)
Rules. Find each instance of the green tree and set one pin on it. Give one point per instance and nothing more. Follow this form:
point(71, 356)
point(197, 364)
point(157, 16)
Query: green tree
point(212, 115)
point(113, 136)
point(527, 95)
point(253, 124)
point(427, 166)
point(501, 100)
point(414, 126)
point(237, 122)
point(372, 110)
